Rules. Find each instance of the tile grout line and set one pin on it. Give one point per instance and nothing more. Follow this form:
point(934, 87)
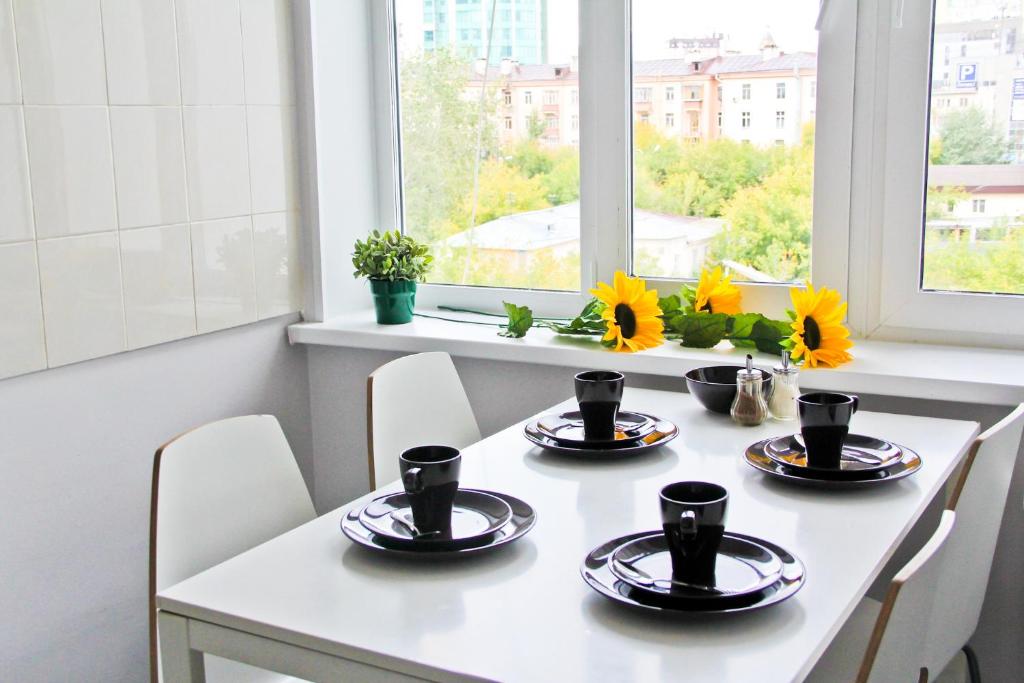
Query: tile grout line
point(31, 195)
point(248, 169)
point(113, 183)
point(184, 161)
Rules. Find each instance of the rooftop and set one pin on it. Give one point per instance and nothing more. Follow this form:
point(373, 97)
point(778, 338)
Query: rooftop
point(544, 228)
point(981, 177)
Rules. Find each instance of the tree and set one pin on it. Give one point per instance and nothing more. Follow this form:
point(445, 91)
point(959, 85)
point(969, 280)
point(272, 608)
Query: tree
point(968, 137)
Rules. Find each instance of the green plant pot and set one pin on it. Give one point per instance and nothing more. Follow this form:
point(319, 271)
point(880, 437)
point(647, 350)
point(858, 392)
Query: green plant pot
point(393, 300)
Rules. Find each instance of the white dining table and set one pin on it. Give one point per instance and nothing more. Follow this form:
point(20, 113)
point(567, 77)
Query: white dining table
point(312, 604)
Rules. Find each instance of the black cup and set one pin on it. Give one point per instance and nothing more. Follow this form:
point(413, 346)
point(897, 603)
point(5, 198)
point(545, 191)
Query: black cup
point(430, 475)
point(693, 518)
point(599, 393)
point(824, 423)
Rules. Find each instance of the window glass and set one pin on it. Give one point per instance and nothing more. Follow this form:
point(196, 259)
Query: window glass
point(732, 185)
point(489, 140)
point(974, 211)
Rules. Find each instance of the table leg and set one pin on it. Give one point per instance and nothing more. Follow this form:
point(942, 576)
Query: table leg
point(181, 664)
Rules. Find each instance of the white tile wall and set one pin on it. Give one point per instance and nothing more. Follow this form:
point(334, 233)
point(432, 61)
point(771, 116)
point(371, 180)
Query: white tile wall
point(142, 52)
point(149, 165)
point(10, 83)
point(82, 309)
point(15, 192)
point(147, 173)
point(21, 334)
point(222, 259)
point(72, 171)
point(60, 45)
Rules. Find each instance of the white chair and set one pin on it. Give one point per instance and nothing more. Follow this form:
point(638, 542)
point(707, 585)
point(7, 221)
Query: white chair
point(943, 628)
point(884, 642)
point(415, 401)
point(218, 491)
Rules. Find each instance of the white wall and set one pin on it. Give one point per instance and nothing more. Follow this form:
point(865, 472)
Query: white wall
point(76, 459)
point(503, 393)
point(147, 174)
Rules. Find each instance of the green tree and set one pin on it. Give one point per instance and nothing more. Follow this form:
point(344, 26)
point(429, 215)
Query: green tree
point(956, 264)
point(968, 137)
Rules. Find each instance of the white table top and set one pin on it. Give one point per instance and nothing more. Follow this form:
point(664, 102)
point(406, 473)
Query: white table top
point(524, 614)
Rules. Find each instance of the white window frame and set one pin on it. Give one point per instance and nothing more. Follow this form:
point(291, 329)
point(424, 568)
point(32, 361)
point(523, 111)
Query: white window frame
point(885, 271)
point(605, 147)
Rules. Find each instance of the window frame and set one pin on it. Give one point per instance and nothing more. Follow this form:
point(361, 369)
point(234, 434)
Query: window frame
point(606, 91)
point(889, 302)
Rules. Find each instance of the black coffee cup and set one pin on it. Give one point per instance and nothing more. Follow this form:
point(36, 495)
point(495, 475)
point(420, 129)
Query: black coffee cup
point(824, 423)
point(430, 475)
point(599, 393)
point(693, 518)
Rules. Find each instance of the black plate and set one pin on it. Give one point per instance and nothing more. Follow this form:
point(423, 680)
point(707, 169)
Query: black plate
point(664, 431)
point(567, 429)
point(755, 456)
point(743, 567)
point(860, 453)
point(474, 515)
point(596, 572)
point(523, 519)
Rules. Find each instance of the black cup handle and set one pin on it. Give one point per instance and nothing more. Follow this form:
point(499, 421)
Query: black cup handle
point(856, 403)
point(412, 481)
point(688, 523)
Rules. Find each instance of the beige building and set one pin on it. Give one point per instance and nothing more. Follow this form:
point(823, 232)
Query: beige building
point(995, 197)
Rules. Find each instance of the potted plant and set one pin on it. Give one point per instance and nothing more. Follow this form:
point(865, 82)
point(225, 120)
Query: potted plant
point(393, 262)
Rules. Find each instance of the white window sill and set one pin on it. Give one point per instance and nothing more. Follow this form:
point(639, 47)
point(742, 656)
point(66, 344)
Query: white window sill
point(950, 373)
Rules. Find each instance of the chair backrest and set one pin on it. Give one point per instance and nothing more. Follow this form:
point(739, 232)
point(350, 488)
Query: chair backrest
point(979, 499)
point(415, 400)
point(896, 649)
point(219, 490)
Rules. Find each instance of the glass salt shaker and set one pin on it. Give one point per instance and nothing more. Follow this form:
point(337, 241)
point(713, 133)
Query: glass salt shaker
point(749, 408)
point(785, 390)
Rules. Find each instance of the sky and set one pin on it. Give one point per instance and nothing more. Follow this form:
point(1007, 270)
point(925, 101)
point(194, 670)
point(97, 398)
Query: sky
point(744, 22)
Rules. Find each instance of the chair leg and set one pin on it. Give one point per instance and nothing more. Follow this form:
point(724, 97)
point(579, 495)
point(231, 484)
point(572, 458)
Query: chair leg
point(973, 670)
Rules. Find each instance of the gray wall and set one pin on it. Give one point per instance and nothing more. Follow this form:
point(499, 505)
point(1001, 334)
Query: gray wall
point(503, 393)
point(76, 457)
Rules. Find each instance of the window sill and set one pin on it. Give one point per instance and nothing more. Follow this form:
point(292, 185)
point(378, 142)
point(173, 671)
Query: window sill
point(950, 373)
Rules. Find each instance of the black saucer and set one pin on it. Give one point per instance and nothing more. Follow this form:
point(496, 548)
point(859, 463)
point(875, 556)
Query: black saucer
point(860, 453)
point(523, 519)
point(598, 575)
point(567, 429)
point(664, 431)
point(743, 567)
point(755, 456)
point(475, 515)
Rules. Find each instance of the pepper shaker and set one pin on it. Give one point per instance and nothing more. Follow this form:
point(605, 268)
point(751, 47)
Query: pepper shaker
point(749, 408)
point(785, 390)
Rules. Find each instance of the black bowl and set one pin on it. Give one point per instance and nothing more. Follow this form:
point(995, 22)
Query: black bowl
point(715, 386)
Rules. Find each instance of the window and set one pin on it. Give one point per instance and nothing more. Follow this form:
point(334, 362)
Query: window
point(574, 96)
point(719, 92)
point(963, 50)
point(670, 93)
point(575, 122)
point(814, 89)
point(689, 212)
point(642, 95)
point(497, 210)
point(978, 205)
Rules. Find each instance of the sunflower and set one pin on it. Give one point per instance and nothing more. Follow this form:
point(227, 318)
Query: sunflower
point(716, 294)
point(631, 312)
point(819, 335)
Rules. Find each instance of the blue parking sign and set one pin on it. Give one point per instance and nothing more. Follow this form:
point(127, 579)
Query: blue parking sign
point(966, 75)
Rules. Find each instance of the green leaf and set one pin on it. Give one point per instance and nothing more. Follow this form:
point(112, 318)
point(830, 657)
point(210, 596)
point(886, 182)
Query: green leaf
point(520, 320)
point(741, 328)
point(699, 330)
point(669, 305)
point(589, 321)
point(791, 313)
point(768, 335)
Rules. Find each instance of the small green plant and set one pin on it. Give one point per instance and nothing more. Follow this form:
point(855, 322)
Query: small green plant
point(391, 256)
